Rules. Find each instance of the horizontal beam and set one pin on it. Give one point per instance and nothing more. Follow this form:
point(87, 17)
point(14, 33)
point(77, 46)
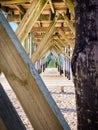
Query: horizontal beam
point(44, 29)
point(4, 2)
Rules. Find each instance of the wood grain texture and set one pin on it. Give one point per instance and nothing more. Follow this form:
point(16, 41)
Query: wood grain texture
point(34, 97)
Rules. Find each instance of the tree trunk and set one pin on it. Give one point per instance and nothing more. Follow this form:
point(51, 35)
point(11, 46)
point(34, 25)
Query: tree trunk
point(85, 64)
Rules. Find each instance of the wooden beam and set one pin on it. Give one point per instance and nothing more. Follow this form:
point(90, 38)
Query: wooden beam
point(64, 43)
point(44, 41)
point(61, 50)
point(47, 47)
point(70, 25)
point(61, 32)
point(70, 4)
point(6, 2)
point(51, 5)
point(15, 19)
point(30, 18)
point(28, 86)
point(21, 9)
point(9, 117)
point(44, 29)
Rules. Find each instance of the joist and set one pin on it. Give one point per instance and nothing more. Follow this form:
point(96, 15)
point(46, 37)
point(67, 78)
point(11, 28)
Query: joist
point(58, 47)
point(30, 18)
point(44, 29)
point(14, 1)
point(61, 31)
point(44, 41)
point(10, 120)
point(27, 84)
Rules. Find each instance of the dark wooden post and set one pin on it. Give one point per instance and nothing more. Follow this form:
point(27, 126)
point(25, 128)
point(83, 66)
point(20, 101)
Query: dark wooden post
point(8, 115)
point(85, 64)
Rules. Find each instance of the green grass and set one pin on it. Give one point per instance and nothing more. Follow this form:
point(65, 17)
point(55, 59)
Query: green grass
point(52, 64)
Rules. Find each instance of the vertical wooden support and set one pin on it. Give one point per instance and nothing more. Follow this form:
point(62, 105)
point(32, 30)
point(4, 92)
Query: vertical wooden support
point(9, 119)
point(29, 45)
point(34, 97)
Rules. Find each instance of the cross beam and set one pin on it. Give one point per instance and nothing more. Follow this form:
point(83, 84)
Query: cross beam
point(3, 2)
point(30, 18)
point(44, 41)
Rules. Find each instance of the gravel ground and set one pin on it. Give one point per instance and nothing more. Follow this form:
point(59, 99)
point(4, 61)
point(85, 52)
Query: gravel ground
point(62, 91)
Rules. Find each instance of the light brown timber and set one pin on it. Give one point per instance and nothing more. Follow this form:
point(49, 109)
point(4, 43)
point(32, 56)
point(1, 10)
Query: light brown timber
point(34, 97)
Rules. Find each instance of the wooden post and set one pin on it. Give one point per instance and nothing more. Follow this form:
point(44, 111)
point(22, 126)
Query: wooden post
point(32, 93)
point(9, 119)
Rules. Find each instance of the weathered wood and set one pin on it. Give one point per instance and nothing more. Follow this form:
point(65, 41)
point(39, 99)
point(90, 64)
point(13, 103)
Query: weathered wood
point(15, 1)
point(34, 97)
point(49, 44)
point(61, 50)
point(70, 25)
point(30, 18)
point(44, 41)
point(21, 9)
point(85, 64)
point(51, 5)
point(70, 4)
point(9, 117)
point(61, 31)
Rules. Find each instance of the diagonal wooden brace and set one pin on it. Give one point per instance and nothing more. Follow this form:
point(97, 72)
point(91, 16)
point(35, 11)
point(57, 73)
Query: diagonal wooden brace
point(28, 86)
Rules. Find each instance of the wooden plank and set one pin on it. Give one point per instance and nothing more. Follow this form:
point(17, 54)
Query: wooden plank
point(32, 93)
point(4, 2)
point(9, 117)
point(30, 18)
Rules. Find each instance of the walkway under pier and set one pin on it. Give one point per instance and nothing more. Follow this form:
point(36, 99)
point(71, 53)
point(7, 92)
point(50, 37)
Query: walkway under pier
point(62, 91)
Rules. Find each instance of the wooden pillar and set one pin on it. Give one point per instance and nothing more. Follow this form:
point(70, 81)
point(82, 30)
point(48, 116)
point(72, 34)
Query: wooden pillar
point(9, 119)
point(30, 44)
